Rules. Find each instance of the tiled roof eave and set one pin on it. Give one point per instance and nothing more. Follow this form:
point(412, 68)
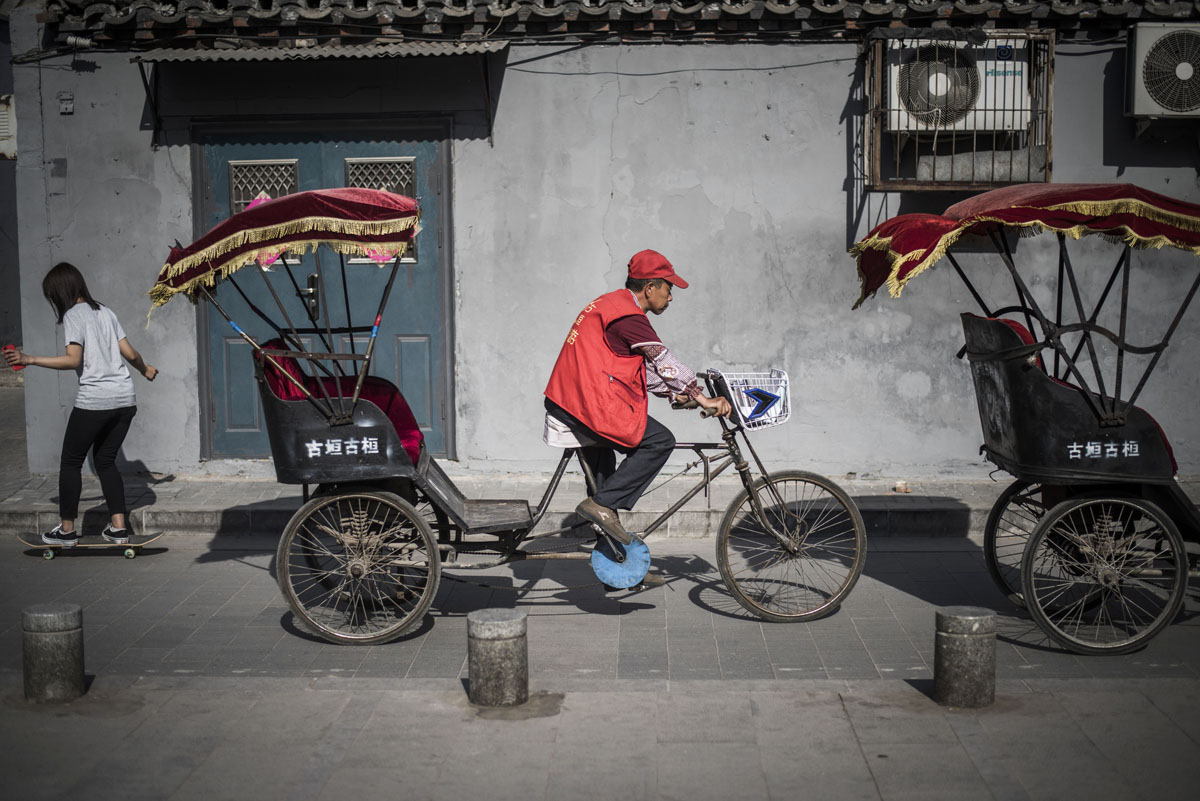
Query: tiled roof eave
point(154, 23)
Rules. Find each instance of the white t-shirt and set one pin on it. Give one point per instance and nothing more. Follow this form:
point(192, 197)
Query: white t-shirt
point(104, 381)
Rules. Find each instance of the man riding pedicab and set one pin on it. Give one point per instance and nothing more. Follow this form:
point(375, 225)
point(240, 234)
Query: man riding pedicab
point(597, 398)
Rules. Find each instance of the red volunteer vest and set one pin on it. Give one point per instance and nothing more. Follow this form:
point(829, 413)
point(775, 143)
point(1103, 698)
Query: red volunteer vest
point(603, 390)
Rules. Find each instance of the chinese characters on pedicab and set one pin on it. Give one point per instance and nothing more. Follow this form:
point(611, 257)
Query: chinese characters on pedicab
point(1103, 450)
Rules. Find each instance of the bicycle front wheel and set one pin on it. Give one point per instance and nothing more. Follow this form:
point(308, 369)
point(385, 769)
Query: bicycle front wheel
point(799, 554)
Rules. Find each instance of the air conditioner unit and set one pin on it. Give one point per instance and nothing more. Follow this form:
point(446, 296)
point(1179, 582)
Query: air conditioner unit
point(952, 86)
point(1163, 78)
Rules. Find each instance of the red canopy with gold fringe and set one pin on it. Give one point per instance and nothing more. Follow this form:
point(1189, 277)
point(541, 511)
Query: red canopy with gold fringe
point(898, 250)
point(364, 222)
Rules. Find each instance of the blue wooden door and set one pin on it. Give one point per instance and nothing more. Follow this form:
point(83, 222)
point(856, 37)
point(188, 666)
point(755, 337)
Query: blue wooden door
point(410, 349)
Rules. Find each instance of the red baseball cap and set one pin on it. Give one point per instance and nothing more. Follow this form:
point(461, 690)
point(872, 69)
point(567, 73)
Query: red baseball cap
point(652, 264)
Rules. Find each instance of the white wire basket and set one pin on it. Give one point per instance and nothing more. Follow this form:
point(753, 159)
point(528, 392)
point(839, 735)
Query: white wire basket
point(762, 400)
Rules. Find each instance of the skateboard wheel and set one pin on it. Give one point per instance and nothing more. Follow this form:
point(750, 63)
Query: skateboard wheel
point(130, 553)
point(48, 553)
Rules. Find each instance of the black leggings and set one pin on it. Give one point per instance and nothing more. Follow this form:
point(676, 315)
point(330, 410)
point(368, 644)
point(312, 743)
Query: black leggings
point(101, 431)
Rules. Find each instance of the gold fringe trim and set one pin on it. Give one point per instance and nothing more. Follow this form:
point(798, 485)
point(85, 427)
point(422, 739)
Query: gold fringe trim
point(251, 236)
point(161, 293)
point(1129, 237)
point(896, 285)
point(1141, 208)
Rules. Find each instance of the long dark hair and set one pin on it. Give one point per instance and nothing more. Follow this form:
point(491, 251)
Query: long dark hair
point(63, 286)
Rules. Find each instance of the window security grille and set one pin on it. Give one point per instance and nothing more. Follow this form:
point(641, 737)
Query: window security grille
point(8, 127)
point(396, 174)
point(948, 114)
point(247, 179)
point(391, 174)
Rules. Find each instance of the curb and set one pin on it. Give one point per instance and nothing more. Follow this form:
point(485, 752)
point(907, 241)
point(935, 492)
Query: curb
point(936, 517)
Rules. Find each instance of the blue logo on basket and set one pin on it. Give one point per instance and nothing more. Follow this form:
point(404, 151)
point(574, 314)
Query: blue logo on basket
point(764, 400)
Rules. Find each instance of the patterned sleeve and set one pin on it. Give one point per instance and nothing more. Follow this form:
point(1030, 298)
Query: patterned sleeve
point(666, 375)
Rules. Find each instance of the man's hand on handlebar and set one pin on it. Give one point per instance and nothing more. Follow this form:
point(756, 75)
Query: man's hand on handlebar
point(714, 407)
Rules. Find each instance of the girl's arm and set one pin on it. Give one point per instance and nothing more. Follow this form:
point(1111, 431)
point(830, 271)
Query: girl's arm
point(133, 357)
point(71, 361)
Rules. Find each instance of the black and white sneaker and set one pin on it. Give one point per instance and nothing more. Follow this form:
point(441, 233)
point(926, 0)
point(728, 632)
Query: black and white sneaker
point(56, 536)
point(120, 536)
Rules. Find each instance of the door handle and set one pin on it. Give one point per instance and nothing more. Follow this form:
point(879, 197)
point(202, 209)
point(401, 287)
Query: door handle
point(311, 296)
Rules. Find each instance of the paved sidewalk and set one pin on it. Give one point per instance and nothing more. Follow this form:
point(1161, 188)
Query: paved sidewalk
point(204, 687)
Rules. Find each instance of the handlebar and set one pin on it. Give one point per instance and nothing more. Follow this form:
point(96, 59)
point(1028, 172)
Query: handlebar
point(691, 403)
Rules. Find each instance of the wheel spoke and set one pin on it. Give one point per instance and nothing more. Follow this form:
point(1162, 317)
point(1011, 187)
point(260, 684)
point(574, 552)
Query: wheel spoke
point(358, 568)
point(823, 559)
point(1103, 574)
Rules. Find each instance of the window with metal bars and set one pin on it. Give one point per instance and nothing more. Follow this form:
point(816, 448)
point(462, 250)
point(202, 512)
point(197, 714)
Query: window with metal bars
point(249, 179)
point(971, 113)
point(396, 174)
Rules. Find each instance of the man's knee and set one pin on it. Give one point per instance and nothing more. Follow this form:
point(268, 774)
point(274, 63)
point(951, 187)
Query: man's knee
point(658, 437)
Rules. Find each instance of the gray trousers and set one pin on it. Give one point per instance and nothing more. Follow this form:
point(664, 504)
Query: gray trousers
point(620, 486)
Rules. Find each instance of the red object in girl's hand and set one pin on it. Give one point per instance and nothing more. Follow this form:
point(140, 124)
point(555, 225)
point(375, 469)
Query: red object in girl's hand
point(15, 366)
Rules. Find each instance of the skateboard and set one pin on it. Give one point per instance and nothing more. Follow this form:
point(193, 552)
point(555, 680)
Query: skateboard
point(131, 548)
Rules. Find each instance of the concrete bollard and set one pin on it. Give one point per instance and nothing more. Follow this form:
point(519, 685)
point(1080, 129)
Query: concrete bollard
point(53, 652)
point(964, 668)
point(497, 657)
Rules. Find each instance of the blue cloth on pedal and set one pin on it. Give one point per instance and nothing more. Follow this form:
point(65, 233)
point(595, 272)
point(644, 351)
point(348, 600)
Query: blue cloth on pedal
point(623, 574)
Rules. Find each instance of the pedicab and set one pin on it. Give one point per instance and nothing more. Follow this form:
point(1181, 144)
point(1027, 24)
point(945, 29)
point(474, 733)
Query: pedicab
point(361, 560)
point(1094, 535)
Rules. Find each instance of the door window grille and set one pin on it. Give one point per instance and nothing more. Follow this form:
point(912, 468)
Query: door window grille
point(396, 174)
point(248, 179)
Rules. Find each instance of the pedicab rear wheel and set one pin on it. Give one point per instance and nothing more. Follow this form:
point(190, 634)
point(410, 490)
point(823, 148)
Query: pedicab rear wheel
point(828, 539)
point(1104, 575)
point(1009, 525)
point(358, 568)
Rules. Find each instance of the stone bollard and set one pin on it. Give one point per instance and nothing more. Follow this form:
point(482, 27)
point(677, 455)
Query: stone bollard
point(53, 652)
point(964, 665)
point(497, 657)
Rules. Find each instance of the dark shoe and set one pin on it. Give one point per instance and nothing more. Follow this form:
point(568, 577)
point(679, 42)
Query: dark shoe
point(605, 518)
point(649, 581)
point(56, 536)
point(120, 536)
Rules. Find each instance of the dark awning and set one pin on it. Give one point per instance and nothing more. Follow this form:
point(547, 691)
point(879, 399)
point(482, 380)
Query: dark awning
point(395, 50)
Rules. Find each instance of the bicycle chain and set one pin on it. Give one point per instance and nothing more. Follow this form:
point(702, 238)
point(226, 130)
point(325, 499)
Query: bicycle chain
point(521, 589)
point(561, 588)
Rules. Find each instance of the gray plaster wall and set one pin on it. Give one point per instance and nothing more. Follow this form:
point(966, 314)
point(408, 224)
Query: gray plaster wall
point(10, 272)
point(93, 192)
point(738, 162)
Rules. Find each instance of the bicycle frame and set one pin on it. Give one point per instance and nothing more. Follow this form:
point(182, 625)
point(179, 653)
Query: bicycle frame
point(733, 457)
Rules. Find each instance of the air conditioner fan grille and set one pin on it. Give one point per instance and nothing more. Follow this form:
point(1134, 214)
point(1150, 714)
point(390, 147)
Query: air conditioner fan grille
point(939, 85)
point(1171, 71)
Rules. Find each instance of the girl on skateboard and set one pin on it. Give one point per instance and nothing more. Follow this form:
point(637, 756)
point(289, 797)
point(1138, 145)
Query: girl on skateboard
point(104, 405)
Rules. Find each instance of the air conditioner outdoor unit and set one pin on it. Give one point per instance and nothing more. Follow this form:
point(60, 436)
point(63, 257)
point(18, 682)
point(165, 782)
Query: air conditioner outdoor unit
point(1163, 79)
point(953, 86)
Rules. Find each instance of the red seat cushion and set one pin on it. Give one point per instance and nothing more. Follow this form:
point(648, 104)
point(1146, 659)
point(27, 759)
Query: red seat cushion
point(388, 399)
point(379, 392)
point(279, 384)
point(1023, 333)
